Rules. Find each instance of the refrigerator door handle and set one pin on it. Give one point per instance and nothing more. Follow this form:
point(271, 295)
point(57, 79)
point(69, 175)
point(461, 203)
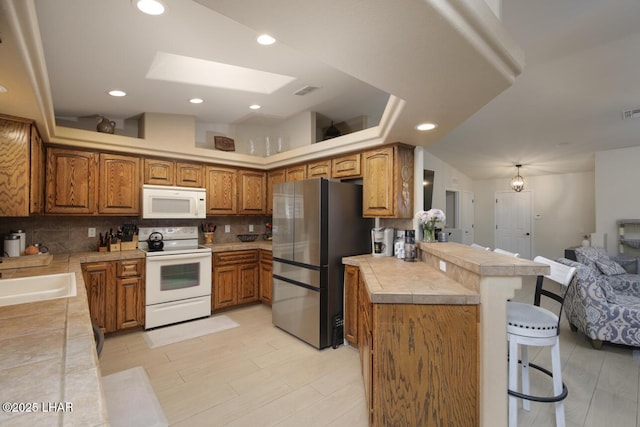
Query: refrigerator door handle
point(295, 282)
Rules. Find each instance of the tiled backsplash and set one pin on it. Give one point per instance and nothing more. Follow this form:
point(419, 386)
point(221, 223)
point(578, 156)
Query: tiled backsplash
point(64, 234)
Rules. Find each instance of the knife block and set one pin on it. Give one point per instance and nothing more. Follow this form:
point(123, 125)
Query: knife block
point(130, 246)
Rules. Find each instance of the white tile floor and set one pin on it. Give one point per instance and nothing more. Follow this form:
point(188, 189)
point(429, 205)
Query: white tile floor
point(256, 374)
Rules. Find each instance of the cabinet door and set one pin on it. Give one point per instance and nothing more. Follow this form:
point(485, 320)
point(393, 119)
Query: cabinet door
point(14, 168)
point(321, 169)
point(266, 274)
point(159, 172)
point(37, 173)
point(225, 281)
point(119, 184)
point(98, 279)
point(222, 190)
point(252, 192)
point(273, 177)
point(378, 185)
point(71, 181)
point(366, 345)
point(351, 276)
point(189, 175)
point(129, 302)
point(346, 166)
point(296, 173)
point(248, 289)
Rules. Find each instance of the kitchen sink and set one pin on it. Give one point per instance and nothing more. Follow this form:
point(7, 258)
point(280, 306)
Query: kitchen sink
point(37, 288)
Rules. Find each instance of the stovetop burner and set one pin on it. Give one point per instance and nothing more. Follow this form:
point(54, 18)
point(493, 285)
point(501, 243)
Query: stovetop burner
point(176, 240)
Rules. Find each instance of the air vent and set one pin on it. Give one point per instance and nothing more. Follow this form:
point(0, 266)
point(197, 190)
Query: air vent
point(305, 90)
point(631, 114)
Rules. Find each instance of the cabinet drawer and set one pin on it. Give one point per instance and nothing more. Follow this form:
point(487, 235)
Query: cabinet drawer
point(346, 166)
point(235, 257)
point(129, 268)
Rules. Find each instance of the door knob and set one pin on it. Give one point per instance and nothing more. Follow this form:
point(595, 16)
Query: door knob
point(528, 234)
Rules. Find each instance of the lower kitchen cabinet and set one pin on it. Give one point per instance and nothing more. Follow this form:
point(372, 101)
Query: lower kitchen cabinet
point(351, 277)
point(266, 273)
point(235, 279)
point(115, 291)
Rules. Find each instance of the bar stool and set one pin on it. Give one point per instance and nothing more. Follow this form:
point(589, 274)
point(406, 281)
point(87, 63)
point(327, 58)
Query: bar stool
point(503, 252)
point(532, 325)
point(477, 246)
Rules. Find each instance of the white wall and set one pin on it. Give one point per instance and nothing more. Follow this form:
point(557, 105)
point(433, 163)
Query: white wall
point(616, 191)
point(563, 208)
point(445, 178)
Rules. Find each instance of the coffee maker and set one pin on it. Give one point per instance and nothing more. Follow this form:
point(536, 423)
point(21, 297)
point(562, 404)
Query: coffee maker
point(382, 241)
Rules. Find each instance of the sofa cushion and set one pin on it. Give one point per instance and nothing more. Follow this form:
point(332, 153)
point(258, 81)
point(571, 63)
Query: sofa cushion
point(609, 267)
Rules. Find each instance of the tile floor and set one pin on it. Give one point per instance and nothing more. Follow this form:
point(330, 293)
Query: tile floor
point(257, 375)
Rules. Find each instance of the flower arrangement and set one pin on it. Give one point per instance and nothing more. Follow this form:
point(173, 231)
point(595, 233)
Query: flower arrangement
point(429, 219)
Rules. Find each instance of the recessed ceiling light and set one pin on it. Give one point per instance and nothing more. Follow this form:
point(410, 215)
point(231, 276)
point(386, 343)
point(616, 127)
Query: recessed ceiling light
point(196, 101)
point(3, 89)
point(265, 39)
point(254, 107)
point(150, 7)
point(426, 126)
point(117, 93)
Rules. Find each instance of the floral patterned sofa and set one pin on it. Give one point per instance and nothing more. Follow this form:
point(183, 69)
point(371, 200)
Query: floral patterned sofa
point(603, 301)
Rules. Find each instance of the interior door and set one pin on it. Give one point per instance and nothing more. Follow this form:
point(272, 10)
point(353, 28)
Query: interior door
point(513, 215)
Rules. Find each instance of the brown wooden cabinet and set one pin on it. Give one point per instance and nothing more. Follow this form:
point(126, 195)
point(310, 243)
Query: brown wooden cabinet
point(388, 182)
point(235, 278)
point(319, 169)
point(119, 185)
point(130, 293)
point(222, 190)
point(98, 280)
point(273, 177)
point(159, 172)
point(115, 290)
point(71, 181)
point(252, 195)
point(439, 352)
point(351, 278)
point(266, 274)
point(296, 173)
point(346, 166)
point(21, 167)
point(189, 175)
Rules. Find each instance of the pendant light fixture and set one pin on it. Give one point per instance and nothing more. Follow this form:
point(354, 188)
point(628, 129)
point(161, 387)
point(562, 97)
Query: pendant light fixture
point(517, 182)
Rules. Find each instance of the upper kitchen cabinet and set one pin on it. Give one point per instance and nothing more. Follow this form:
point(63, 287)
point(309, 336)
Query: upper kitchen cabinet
point(252, 193)
point(21, 168)
point(387, 182)
point(346, 166)
point(296, 173)
point(222, 190)
point(159, 172)
point(71, 181)
point(119, 185)
point(189, 175)
point(319, 169)
point(273, 177)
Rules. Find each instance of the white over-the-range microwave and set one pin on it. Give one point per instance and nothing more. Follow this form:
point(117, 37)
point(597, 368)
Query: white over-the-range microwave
point(159, 201)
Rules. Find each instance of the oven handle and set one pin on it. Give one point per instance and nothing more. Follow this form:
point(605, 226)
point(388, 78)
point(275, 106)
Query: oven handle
point(177, 256)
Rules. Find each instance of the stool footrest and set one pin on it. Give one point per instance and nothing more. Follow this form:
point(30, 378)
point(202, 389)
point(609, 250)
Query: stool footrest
point(543, 399)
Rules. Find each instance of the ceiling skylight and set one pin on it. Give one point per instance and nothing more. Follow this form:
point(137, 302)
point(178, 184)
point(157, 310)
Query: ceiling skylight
point(184, 69)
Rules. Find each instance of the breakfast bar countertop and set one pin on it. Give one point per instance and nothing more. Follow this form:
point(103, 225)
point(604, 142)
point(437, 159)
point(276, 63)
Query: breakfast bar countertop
point(393, 281)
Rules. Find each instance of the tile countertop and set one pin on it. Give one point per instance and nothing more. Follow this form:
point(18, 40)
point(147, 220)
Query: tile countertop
point(47, 352)
point(393, 281)
point(240, 246)
point(390, 280)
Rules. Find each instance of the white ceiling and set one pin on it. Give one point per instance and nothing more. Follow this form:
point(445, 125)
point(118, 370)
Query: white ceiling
point(582, 70)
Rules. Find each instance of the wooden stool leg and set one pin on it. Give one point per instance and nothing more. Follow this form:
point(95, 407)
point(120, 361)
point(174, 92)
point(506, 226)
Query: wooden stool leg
point(513, 381)
point(557, 382)
point(524, 356)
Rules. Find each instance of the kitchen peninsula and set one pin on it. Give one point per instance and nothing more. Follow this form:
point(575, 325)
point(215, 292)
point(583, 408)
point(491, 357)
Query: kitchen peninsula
point(432, 334)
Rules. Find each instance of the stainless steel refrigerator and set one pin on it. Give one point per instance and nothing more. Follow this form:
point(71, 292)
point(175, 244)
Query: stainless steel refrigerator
point(316, 222)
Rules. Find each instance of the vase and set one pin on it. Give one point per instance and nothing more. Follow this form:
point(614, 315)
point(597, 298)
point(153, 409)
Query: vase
point(429, 234)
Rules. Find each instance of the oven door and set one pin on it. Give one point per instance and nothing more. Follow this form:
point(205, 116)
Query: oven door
point(177, 277)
